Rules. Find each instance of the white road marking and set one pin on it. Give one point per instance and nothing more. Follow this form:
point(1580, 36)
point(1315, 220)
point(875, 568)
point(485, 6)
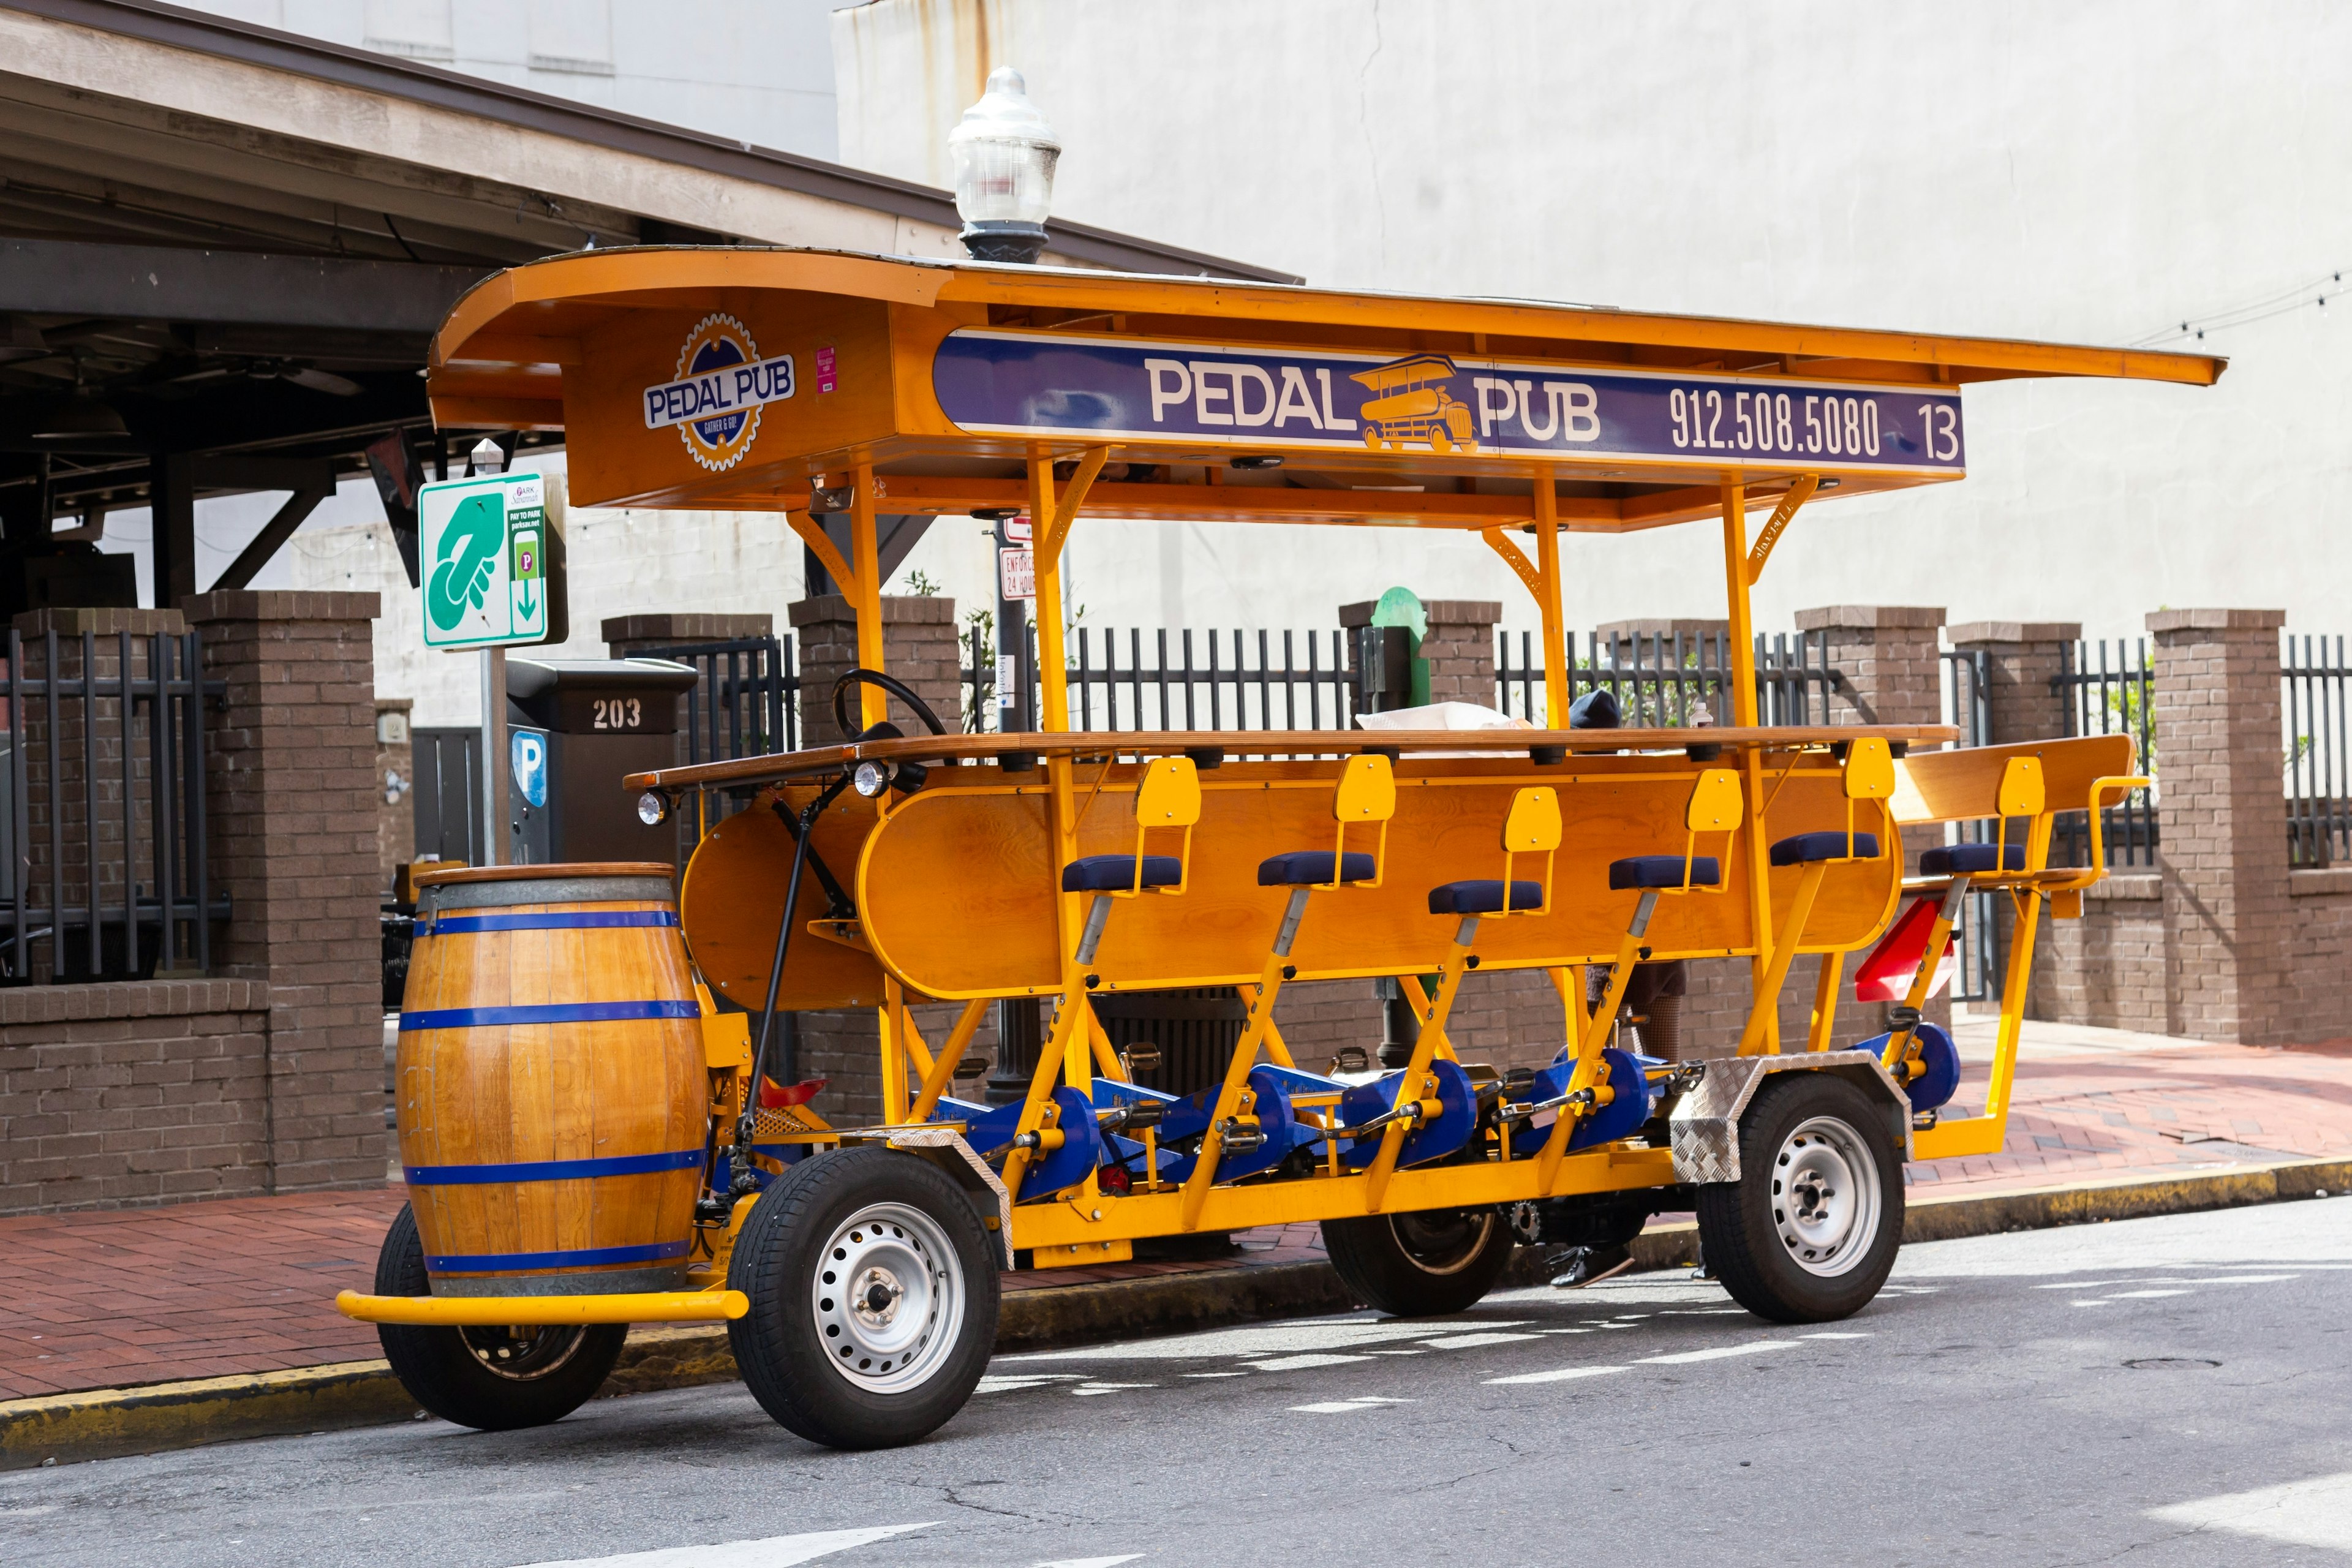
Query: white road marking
point(1271, 1339)
point(1091, 1562)
point(1342, 1407)
point(1472, 1341)
point(1034, 1380)
point(1084, 1390)
point(1568, 1331)
point(2091, 1303)
point(1833, 1336)
point(1216, 1374)
point(2143, 1295)
point(1300, 1363)
point(1558, 1374)
point(1681, 1357)
point(770, 1552)
point(2314, 1512)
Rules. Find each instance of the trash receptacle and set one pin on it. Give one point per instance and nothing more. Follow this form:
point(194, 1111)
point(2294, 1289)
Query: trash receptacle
point(576, 727)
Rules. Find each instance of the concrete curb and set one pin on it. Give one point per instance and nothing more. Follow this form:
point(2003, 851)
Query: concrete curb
point(107, 1423)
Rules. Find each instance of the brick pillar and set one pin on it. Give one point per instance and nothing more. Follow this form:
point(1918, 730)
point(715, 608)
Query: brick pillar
point(1459, 648)
point(2024, 658)
point(293, 842)
point(919, 645)
point(2223, 843)
point(919, 648)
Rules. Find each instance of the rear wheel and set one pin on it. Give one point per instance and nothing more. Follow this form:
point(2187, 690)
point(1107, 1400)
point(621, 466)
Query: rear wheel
point(492, 1379)
point(1809, 1231)
point(874, 1299)
point(1419, 1264)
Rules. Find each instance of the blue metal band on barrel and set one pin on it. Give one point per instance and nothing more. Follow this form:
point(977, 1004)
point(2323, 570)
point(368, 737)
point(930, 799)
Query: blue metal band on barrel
point(547, 1012)
point(595, 920)
point(586, 1257)
point(550, 1170)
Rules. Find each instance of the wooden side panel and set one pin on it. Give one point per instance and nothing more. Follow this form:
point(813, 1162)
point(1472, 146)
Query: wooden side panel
point(957, 887)
point(734, 894)
point(1959, 785)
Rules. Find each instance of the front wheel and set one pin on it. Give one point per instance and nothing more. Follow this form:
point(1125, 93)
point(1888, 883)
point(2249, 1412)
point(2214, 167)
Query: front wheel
point(1809, 1231)
point(874, 1299)
point(491, 1379)
point(1419, 1264)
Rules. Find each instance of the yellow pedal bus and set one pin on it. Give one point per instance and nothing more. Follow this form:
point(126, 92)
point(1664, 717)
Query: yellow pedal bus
point(587, 1112)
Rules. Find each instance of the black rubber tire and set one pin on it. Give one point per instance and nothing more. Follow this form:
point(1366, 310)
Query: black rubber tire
point(1739, 1233)
point(1419, 1264)
point(440, 1368)
point(779, 1345)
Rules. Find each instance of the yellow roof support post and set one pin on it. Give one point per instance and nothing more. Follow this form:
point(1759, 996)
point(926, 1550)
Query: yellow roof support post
point(865, 591)
point(1742, 663)
point(1782, 515)
point(1548, 602)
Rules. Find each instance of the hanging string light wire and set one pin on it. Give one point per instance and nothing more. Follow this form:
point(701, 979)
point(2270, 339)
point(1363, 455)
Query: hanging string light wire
point(2313, 295)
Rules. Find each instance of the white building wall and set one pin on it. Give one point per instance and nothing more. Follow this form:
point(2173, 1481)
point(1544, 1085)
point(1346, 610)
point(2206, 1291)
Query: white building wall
point(2097, 171)
point(760, 72)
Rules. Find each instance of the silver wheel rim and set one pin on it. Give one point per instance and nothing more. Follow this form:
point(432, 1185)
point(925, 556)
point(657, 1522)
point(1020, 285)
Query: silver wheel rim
point(1825, 1197)
point(1443, 1241)
point(889, 1298)
point(520, 1355)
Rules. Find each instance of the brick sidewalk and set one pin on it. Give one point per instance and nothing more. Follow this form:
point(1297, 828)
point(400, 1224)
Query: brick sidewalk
point(243, 1284)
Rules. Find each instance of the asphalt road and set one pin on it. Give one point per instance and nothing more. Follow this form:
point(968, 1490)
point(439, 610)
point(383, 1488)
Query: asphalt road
point(2158, 1392)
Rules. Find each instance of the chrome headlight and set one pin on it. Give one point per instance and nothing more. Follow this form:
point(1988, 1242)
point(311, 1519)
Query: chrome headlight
point(653, 808)
point(870, 779)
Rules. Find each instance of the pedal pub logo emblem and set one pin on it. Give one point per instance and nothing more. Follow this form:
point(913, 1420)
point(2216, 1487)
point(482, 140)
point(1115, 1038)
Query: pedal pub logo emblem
point(722, 384)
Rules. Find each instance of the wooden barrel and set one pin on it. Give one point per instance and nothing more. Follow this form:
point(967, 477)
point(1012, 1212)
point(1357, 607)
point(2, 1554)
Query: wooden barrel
point(551, 1090)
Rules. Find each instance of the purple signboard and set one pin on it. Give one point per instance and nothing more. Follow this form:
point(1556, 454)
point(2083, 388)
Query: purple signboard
point(1050, 384)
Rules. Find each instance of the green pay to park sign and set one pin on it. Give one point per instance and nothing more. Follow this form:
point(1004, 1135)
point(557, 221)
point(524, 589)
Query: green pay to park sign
point(486, 555)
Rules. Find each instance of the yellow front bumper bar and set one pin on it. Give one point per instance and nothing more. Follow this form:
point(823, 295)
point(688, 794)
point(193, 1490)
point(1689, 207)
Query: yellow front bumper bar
point(470, 1312)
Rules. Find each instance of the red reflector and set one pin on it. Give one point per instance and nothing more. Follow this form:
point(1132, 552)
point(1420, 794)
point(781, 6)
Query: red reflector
point(1886, 974)
point(1114, 1180)
point(774, 1094)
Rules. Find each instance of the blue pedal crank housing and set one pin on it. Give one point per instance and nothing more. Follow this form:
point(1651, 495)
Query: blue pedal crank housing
point(1457, 1118)
point(1621, 1117)
point(1936, 1053)
point(990, 1136)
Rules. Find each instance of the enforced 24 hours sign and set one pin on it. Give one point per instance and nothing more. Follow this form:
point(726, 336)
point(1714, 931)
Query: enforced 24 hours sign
point(482, 554)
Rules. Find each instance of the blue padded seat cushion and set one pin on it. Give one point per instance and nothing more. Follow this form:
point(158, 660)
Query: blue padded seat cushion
point(1662, 871)
point(1953, 859)
point(1484, 897)
point(1116, 873)
point(1804, 849)
point(1301, 866)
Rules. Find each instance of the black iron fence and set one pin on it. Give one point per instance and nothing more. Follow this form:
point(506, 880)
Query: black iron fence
point(1664, 679)
point(1162, 680)
point(103, 864)
point(745, 701)
point(2108, 689)
point(2312, 704)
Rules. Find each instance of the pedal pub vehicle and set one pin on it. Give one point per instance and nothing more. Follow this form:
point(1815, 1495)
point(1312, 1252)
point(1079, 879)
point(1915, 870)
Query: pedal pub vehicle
point(593, 1137)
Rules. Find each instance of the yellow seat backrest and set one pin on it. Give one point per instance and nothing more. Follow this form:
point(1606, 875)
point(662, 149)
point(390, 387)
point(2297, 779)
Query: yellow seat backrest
point(1167, 798)
point(1868, 775)
point(1366, 795)
point(1532, 827)
point(1716, 806)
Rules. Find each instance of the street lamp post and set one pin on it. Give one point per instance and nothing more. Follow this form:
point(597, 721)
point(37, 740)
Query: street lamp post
point(1005, 155)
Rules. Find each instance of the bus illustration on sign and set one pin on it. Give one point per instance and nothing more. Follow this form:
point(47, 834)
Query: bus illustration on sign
point(1410, 404)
